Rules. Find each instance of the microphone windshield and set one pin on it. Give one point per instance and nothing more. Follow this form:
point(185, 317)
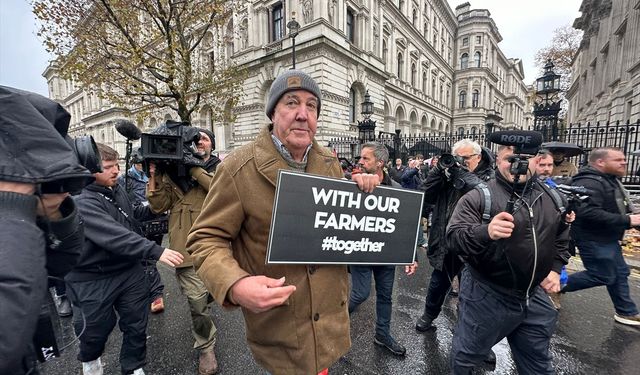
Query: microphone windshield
point(519, 138)
point(128, 129)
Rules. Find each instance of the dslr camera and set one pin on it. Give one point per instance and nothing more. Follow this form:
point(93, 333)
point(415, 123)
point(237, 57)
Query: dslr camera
point(449, 161)
point(172, 145)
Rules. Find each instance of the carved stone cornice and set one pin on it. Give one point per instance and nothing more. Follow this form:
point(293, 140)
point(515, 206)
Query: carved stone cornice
point(249, 108)
point(329, 96)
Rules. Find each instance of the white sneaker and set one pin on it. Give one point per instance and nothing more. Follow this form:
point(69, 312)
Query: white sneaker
point(633, 320)
point(92, 368)
point(138, 371)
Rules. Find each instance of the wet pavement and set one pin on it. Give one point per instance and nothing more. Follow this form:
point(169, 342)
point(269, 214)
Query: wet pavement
point(587, 340)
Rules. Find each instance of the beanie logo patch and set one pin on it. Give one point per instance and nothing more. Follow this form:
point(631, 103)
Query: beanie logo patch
point(294, 82)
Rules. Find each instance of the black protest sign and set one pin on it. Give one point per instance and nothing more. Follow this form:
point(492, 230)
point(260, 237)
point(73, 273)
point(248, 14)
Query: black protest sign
point(322, 220)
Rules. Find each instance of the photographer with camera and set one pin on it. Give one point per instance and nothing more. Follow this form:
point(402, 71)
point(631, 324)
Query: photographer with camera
point(109, 277)
point(184, 197)
point(41, 232)
point(512, 255)
point(609, 207)
point(455, 174)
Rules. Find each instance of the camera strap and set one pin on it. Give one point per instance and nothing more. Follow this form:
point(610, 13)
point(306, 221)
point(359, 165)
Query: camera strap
point(134, 223)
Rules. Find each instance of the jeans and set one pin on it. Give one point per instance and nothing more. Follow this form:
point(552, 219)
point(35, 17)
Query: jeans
point(604, 265)
point(487, 316)
point(361, 287)
point(440, 284)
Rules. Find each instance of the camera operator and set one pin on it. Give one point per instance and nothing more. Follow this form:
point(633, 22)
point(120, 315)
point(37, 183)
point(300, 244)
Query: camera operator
point(445, 184)
point(184, 196)
point(511, 261)
point(109, 277)
point(40, 230)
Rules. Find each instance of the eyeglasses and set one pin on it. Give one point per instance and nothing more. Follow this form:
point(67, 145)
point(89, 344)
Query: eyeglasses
point(467, 157)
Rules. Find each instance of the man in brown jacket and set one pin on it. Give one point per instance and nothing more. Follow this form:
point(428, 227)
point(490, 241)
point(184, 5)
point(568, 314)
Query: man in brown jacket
point(296, 315)
point(184, 197)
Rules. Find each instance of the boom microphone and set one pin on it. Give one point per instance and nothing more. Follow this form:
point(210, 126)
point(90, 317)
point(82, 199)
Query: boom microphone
point(518, 138)
point(128, 129)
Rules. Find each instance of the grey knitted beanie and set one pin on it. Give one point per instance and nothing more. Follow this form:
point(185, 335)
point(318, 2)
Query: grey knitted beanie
point(289, 81)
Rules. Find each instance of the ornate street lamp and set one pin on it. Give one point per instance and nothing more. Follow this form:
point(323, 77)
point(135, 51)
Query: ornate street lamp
point(547, 102)
point(367, 127)
point(294, 28)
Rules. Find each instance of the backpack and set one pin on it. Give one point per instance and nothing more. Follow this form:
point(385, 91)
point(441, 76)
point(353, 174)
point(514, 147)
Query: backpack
point(486, 194)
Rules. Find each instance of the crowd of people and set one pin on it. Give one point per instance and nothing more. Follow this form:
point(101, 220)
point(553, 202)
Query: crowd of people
point(508, 259)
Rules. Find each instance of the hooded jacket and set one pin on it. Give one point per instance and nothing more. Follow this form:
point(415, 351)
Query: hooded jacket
point(517, 264)
point(443, 193)
point(604, 209)
point(112, 240)
point(33, 148)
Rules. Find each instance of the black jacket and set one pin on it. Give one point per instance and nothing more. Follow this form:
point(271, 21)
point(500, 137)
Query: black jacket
point(443, 193)
point(601, 210)
point(112, 242)
point(537, 245)
point(25, 252)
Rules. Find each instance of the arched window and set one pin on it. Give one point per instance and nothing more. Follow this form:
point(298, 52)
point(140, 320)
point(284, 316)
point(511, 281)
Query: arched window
point(400, 64)
point(413, 75)
point(461, 131)
point(476, 59)
point(352, 105)
point(474, 98)
point(462, 99)
point(464, 61)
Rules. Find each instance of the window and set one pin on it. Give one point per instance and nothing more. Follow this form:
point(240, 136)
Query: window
point(441, 93)
point(414, 17)
point(474, 98)
point(464, 61)
point(426, 30)
point(465, 41)
point(462, 99)
point(278, 22)
point(413, 75)
point(478, 39)
point(477, 57)
point(433, 88)
point(385, 51)
point(400, 5)
point(461, 130)
point(400, 64)
point(350, 26)
point(424, 82)
point(352, 105)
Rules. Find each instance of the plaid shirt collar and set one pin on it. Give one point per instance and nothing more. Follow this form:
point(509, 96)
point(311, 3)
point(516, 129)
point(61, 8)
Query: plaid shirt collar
point(283, 149)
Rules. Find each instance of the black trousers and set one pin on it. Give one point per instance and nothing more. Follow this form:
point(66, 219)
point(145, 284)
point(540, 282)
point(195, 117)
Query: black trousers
point(440, 284)
point(486, 317)
point(97, 302)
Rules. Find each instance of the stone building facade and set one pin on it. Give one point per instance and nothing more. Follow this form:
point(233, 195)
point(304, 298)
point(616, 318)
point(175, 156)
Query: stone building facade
point(605, 74)
point(406, 54)
point(489, 87)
